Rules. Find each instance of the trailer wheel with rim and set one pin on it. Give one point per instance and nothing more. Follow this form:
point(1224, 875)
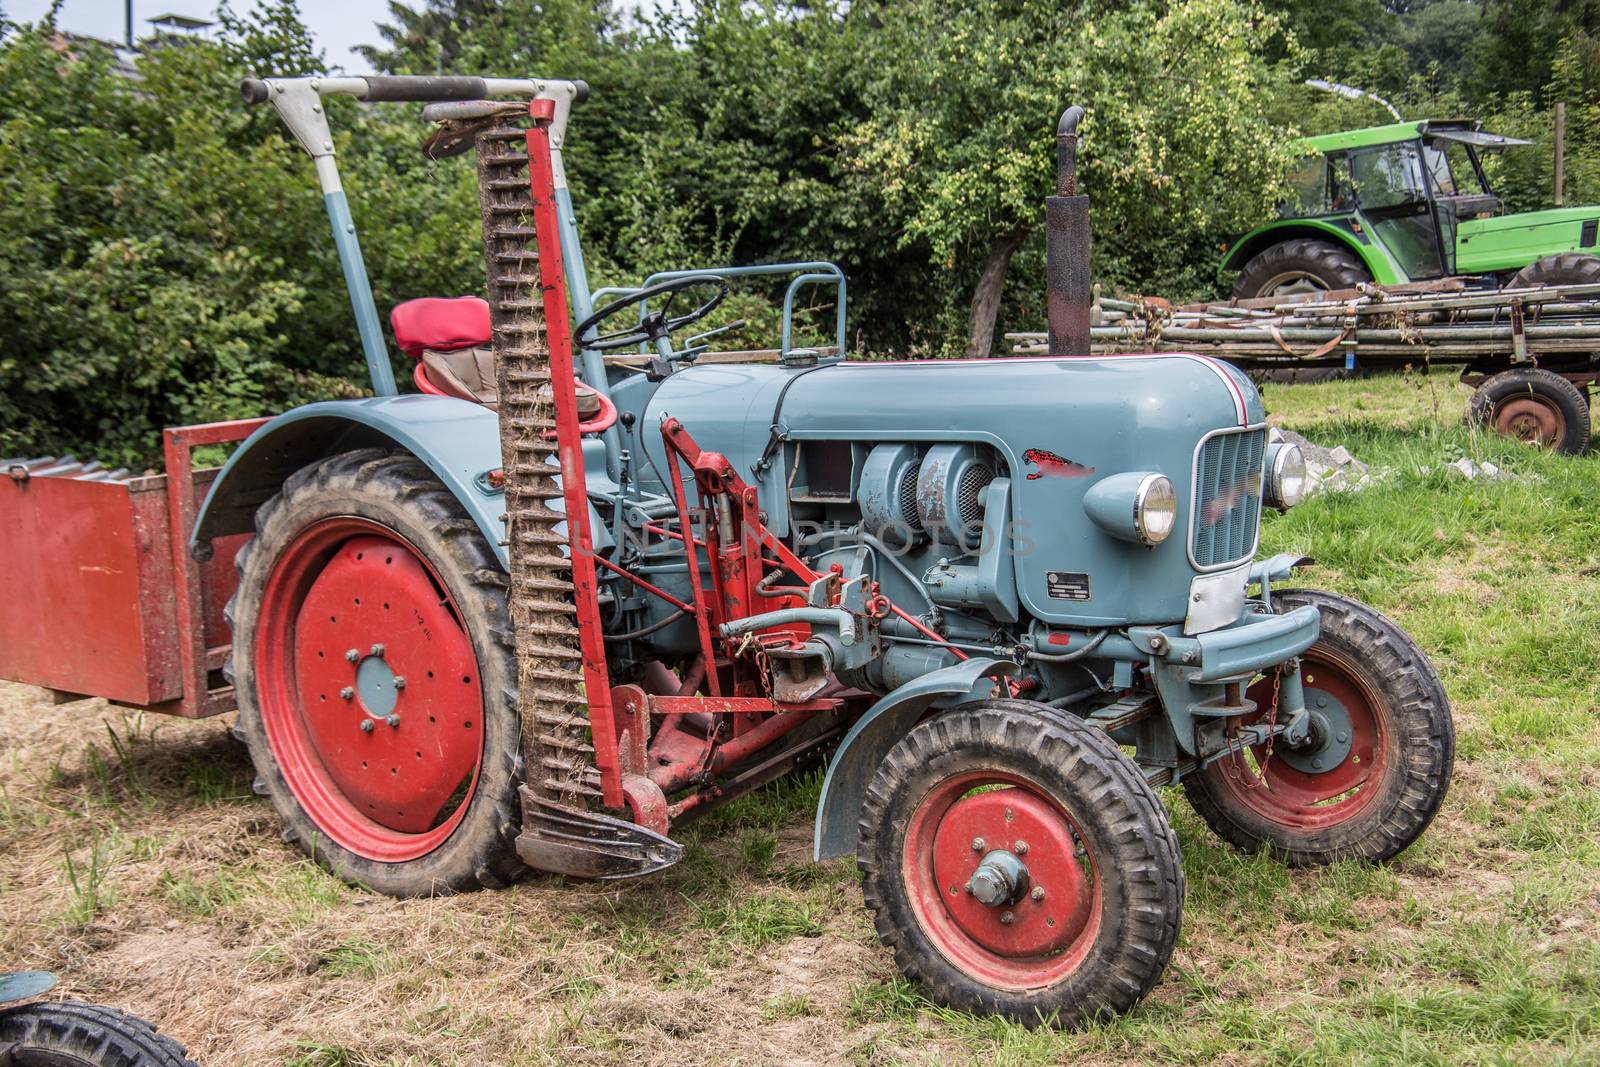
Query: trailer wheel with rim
point(1533, 405)
point(73, 1034)
point(376, 680)
point(1017, 863)
point(1378, 762)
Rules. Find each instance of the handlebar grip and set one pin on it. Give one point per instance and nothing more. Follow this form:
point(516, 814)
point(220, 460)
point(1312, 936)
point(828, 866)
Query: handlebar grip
point(583, 91)
point(409, 87)
point(254, 91)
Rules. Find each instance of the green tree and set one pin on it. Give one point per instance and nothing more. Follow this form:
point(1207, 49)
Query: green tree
point(959, 139)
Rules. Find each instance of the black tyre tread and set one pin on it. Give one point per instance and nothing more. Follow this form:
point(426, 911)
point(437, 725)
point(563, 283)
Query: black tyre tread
point(489, 858)
point(106, 1037)
point(1338, 267)
point(1111, 795)
point(1563, 268)
point(1553, 387)
point(1426, 744)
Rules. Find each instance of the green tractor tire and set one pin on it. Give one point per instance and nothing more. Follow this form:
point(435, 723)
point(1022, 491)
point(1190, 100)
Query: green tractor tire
point(1566, 268)
point(1300, 265)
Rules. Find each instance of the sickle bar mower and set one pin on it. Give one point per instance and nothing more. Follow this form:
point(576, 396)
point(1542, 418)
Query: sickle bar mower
point(639, 747)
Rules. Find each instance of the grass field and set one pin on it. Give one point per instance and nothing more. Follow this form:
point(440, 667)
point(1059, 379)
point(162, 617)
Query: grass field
point(138, 865)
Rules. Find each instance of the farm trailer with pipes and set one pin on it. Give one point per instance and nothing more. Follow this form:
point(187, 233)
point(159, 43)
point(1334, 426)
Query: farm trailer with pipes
point(571, 597)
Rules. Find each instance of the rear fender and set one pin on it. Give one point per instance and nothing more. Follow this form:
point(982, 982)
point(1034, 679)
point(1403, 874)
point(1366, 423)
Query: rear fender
point(1334, 229)
point(457, 440)
point(879, 730)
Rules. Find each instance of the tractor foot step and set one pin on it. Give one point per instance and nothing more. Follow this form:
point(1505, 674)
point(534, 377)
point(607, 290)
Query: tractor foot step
point(584, 844)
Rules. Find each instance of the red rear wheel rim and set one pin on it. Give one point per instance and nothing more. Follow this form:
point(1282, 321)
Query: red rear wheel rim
point(356, 627)
point(1281, 794)
point(1034, 942)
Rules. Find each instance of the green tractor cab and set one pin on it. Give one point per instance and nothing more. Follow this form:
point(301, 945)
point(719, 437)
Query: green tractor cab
point(1408, 202)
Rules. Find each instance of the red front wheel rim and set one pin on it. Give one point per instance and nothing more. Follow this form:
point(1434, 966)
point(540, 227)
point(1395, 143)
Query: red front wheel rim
point(369, 690)
point(1042, 936)
point(1267, 785)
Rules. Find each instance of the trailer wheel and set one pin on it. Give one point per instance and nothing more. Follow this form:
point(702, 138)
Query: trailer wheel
point(376, 683)
point(1377, 768)
point(1533, 405)
point(71, 1034)
point(1301, 265)
point(1016, 863)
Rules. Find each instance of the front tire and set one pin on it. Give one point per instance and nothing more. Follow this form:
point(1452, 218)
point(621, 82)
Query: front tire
point(1565, 268)
point(1301, 265)
point(1379, 766)
point(1093, 918)
point(72, 1034)
point(375, 676)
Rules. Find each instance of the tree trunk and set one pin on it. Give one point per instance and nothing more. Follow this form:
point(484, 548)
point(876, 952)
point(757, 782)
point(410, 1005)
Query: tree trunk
point(986, 297)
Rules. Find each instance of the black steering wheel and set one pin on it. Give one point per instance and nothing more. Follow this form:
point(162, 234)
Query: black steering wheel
point(656, 324)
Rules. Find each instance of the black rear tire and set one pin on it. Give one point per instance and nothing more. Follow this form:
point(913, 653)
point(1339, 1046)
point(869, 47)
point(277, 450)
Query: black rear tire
point(1566, 268)
point(69, 1034)
point(1302, 264)
point(1414, 746)
point(398, 493)
point(1049, 761)
point(1533, 405)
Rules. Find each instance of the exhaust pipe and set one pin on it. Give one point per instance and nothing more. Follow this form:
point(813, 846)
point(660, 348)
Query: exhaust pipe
point(1066, 221)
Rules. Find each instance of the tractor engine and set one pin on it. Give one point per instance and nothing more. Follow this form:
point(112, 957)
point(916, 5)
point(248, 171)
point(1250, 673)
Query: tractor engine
point(961, 493)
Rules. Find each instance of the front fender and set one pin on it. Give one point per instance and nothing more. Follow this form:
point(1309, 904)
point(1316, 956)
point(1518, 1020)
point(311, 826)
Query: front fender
point(457, 440)
point(879, 730)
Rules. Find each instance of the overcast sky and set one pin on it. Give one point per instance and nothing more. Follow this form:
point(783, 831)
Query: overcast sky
point(338, 26)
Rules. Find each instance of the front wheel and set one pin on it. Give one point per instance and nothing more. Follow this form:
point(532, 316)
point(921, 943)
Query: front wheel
point(376, 683)
point(1378, 763)
point(1017, 863)
point(72, 1034)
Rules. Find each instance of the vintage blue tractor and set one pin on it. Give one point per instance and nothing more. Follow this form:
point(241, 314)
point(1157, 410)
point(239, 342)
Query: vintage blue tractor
point(605, 579)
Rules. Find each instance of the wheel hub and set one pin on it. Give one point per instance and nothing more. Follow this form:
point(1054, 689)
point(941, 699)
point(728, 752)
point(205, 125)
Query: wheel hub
point(1000, 879)
point(1027, 895)
point(1530, 419)
point(1330, 739)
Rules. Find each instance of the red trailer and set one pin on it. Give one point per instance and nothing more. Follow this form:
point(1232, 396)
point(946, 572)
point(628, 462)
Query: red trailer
point(110, 601)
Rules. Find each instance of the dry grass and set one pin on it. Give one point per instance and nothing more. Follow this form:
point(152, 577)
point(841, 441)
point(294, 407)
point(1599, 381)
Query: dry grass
point(139, 866)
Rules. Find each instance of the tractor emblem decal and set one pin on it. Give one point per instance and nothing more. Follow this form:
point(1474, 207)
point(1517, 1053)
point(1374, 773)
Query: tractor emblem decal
point(1053, 466)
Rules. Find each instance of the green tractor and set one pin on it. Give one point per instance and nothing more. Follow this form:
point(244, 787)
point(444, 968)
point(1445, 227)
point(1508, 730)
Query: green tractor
point(1408, 202)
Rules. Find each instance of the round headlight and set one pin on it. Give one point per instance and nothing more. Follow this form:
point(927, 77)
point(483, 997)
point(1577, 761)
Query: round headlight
point(1155, 509)
point(1286, 476)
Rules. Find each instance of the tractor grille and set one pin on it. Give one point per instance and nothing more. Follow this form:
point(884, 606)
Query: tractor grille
point(1227, 497)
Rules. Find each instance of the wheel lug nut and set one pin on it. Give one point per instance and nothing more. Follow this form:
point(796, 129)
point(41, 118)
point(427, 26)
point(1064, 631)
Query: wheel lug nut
point(1343, 738)
point(1005, 918)
point(352, 655)
point(1038, 892)
point(377, 650)
point(366, 726)
point(399, 682)
point(1322, 702)
point(977, 844)
point(393, 720)
point(347, 693)
point(1020, 848)
point(1317, 763)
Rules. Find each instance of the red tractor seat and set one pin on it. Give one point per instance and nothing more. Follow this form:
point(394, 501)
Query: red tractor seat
point(451, 340)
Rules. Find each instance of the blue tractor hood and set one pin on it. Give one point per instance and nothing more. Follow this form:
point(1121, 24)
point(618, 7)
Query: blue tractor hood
point(1061, 425)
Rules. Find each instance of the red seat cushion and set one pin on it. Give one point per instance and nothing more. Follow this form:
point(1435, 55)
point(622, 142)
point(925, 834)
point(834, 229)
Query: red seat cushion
point(443, 324)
